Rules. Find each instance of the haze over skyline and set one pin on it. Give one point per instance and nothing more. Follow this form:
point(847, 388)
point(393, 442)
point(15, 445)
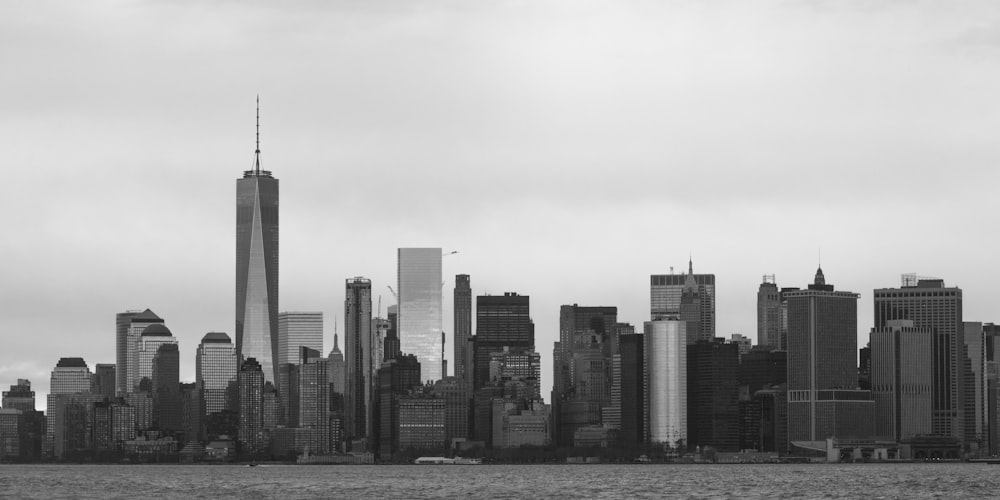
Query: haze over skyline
point(566, 150)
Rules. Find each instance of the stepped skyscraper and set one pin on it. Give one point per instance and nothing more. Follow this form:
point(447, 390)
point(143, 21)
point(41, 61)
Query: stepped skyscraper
point(257, 266)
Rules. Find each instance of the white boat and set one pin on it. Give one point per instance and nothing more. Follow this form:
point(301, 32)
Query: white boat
point(448, 461)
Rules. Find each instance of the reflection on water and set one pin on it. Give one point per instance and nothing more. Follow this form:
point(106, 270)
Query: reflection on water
point(950, 480)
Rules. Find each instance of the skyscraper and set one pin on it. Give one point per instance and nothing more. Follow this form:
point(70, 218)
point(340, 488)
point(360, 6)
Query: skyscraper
point(929, 304)
point(419, 288)
point(357, 357)
point(257, 266)
point(769, 314)
point(901, 379)
point(666, 382)
point(501, 321)
point(823, 399)
point(167, 388)
point(462, 324)
point(215, 369)
point(713, 395)
point(667, 290)
point(128, 328)
point(103, 381)
point(153, 336)
point(298, 329)
point(251, 403)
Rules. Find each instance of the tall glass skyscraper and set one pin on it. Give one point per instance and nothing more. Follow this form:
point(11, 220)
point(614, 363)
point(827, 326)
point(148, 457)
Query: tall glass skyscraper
point(419, 288)
point(666, 381)
point(257, 267)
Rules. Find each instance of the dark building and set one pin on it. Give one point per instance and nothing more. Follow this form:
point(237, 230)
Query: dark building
point(103, 381)
point(929, 304)
point(583, 370)
point(421, 421)
point(768, 314)
point(192, 413)
point(633, 382)
point(397, 377)
point(713, 395)
point(250, 380)
point(991, 334)
point(762, 368)
point(462, 312)
point(166, 388)
point(501, 321)
point(823, 399)
point(257, 267)
point(20, 396)
point(772, 403)
point(458, 407)
point(390, 345)
point(358, 358)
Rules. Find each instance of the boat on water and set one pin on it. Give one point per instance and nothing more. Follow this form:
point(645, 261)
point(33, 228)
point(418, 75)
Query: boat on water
point(448, 461)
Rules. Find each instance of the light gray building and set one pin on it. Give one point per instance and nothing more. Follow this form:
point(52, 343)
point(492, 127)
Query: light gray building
point(419, 289)
point(666, 381)
point(901, 380)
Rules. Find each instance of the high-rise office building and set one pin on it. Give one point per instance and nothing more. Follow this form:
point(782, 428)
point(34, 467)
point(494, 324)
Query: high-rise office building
point(901, 380)
point(153, 336)
point(769, 314)
point(462, 326)
point(70, 376)
point(103, 381)
point(823, 399)
point(457, 406)
point(929, 304)
point(396, 378)
point(129, 326)
point(666, 292)
point(311, 396)
point(713, 395)
point(976, 431)
point(251, 402)
point(338, 372)
point(991, 338)
point(665, 395)
point(419, 322)
point(298, 329)
point(216, 366)
point(166, 387)
point(588, 338)
point(501, 321)
point(357, 359)
point(633, 387)
point(257, 267)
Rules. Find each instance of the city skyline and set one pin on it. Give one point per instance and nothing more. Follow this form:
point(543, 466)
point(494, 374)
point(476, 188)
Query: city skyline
point(767, 136)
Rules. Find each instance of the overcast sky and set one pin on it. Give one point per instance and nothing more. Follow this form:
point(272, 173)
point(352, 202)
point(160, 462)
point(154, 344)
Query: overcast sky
point(566, 150)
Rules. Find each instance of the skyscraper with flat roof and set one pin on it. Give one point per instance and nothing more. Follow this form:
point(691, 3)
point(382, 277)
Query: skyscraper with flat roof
point(823, 398)
point(257, 266)
point(167, 388)
point(298, 329)
point(357, 357)
point(929, 304)
point(70, 376)
point(666, 382)
point(462, 312)
point(419, 289)
point(901, 379)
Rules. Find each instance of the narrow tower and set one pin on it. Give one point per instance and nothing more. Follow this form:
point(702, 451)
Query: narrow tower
point(257, 265)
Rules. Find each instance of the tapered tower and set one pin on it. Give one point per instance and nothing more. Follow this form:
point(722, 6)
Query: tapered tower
point(257, 265)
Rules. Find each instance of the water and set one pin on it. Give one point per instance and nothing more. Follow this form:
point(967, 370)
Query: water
point(919, 480)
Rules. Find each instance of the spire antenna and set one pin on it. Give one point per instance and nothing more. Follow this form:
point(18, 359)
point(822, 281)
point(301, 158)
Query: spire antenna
point(256, 160)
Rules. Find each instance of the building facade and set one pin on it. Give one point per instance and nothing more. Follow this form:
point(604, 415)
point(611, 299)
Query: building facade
point(216, 366)
point(419, 321)
point(257, 268)
point(902, 379)
point(931, 305)
point(769, 314)
point(358, 358)
point(665, 350)
point(462, 325)
point(823, 398)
